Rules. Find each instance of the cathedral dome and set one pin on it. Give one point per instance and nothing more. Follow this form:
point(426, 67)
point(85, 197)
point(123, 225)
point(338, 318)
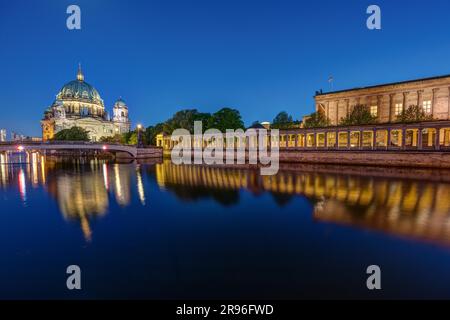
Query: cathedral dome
point(120, 103)
point(79, 90)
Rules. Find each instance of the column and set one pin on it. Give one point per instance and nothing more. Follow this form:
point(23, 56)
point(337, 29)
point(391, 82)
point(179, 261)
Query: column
point(374, 138)
point(403, 138)
point(437, 143)
point(348, 139)
point(388, 138)
point(405, 100)
point(419, 97)
point(296, 140)
point(379, 104)
point(391, 105)
point(415, 136)
point(433, 100)
point(419, 138)
point(315, 139)
point(337, 112)
point(360, 139)
point(448, 104)
point(328, 110)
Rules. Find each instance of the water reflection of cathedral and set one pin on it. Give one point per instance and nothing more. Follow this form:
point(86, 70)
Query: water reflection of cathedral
point(82, 188)
point(405, 207)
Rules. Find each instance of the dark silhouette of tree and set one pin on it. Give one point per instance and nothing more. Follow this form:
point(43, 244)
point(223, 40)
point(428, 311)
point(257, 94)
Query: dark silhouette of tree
point(316, 120)
point(413, 113)
point(283, 121)
point(227, 118)
point(72, 134)
point(152, 131)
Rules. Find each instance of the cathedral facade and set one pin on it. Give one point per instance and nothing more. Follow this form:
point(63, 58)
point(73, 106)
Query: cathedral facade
point(79, 104)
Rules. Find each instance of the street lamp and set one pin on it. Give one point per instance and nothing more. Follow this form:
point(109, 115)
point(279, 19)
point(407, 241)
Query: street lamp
point(140, 143)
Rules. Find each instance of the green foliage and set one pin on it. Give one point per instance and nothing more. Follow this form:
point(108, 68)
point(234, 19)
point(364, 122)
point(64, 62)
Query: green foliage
point(72, 134)
point(316, 120)
point(359, 115)
point(413, 113)
point(118, 138)
point(283, 121)
point(205, 118)
point(223, 119)
point(127, 136)
point(183, 119)
point(226, 118)
point(152, 131)
point(133, 140)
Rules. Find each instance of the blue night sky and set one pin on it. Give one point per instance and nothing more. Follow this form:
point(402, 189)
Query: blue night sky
point(260, 57)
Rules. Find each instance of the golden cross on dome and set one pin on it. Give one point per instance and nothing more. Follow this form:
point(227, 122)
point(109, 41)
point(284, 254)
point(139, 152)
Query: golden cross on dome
point(80, 76)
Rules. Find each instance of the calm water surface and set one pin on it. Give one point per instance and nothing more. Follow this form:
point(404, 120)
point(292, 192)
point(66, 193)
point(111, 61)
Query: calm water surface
point(160, 231)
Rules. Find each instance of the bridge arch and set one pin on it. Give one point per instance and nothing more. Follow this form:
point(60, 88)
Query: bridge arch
point(130, 150)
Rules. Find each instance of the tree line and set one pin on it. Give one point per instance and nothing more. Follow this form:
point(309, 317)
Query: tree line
point(228, 118)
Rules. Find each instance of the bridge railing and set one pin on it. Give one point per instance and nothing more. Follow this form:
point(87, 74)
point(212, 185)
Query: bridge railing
point(14, 143)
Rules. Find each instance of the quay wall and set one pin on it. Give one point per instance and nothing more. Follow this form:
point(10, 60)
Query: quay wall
point(411, 159)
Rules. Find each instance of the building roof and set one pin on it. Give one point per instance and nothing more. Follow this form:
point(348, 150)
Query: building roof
point(383, 85)
point(256, 126)
point(79, 90)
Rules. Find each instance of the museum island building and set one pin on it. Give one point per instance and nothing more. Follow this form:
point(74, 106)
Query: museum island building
point(79, 104)
point(385, 102)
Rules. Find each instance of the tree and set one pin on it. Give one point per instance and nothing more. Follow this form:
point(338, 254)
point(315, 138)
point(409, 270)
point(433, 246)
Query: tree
point(72, 134)
point(414, 113)
point(226, 118)
point(118, 138)
point(205, 118)
point(152, 131)
point(127, 136)
point(316, 120)
point(133, 139)
point(183, 119)
point(359, 115)
point(282, 121)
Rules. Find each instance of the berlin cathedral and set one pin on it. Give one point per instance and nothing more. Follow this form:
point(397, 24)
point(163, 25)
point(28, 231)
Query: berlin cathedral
point(79, 104)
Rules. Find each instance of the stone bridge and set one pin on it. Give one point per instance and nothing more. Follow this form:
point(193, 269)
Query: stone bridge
point(123, 151)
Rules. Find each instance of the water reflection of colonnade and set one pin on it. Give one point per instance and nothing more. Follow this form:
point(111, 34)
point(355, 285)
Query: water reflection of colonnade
point(407, 207)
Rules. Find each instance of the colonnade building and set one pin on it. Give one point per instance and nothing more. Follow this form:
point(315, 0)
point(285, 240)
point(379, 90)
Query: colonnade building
point(387, 101)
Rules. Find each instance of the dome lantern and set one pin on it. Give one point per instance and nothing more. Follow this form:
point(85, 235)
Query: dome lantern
point(80, 76)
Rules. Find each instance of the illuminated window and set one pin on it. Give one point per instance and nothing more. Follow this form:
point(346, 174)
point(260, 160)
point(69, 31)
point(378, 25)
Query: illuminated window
point(398, 108)
point(374, 111)
point(426, 107)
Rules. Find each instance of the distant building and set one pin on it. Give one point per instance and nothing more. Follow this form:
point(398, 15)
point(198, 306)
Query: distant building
point(266, 125)
point(20, 137)
point(79, 104)
point(2, 135)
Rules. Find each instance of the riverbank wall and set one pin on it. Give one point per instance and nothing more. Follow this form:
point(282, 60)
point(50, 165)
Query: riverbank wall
point(388, 158)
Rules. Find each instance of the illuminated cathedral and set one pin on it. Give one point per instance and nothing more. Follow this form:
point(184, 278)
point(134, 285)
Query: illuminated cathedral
point(79, 104)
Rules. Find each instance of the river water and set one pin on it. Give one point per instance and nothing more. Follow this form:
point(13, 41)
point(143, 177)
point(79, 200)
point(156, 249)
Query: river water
point(161, 231)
